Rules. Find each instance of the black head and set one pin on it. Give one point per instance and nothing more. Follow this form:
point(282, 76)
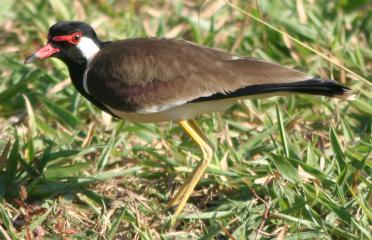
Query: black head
point(71, 41)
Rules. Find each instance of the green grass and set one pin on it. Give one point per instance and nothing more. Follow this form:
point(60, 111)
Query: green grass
point(297, 167)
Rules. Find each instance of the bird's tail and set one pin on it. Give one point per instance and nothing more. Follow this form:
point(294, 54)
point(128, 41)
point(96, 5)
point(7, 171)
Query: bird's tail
point(314, 86)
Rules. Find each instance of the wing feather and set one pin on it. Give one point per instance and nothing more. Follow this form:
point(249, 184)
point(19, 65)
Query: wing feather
point(152, 73)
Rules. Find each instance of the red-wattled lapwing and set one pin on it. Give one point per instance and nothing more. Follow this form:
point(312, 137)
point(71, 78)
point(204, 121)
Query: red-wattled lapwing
point(159, 79)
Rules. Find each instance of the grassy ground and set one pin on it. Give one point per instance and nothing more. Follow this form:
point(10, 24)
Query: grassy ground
point(294, 167)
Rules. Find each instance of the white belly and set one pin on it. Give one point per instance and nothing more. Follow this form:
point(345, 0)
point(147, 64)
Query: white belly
point(184, 111)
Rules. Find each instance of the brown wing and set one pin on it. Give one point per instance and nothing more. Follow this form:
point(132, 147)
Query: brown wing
point(138, 74)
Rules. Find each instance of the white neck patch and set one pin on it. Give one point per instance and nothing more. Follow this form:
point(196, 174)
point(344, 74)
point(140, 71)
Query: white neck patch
point(88, 48)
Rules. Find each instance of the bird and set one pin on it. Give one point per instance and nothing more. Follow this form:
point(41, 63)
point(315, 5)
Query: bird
point(157, 79)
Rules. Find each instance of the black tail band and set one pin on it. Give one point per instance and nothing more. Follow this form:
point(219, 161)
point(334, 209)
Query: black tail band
point(315, 86)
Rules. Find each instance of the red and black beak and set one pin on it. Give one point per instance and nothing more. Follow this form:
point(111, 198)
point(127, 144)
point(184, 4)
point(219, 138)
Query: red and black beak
point(47, 51)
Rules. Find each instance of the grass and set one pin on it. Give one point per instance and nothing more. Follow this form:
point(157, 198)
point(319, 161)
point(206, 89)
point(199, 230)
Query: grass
point(295, 167)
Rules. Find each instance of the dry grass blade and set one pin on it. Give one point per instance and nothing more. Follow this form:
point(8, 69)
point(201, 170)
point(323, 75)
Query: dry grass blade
point(4, 233)
point(301, 11)
point(282, 233)
point(89, 136)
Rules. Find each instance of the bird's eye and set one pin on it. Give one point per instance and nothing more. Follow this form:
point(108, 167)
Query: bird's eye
point(76, 38)
point(72, 38)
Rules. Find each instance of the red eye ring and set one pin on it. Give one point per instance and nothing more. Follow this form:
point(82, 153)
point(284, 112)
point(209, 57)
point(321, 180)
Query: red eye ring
point(76, 38)
point(72, 38)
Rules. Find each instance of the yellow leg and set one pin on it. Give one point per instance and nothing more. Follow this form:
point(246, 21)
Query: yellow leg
point(183, 194)
point(191, 127)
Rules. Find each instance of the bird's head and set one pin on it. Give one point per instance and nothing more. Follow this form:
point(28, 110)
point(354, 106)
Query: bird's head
point(70, 41)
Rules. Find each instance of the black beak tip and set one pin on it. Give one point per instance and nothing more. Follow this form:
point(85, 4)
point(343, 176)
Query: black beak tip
point(31, 59)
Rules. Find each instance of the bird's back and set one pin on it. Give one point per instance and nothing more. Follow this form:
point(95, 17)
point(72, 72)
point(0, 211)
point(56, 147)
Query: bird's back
point(155, 73)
